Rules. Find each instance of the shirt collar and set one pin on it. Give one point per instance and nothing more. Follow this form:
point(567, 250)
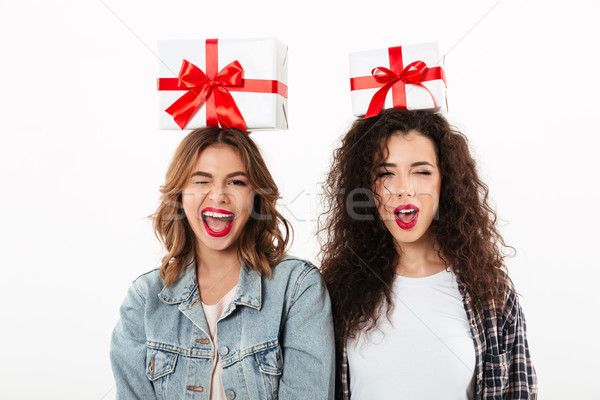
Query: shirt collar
point(248, 291)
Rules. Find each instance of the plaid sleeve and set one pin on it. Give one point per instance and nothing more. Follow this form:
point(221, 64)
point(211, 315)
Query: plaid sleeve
point(522, 379)
point(504, 368)
point(343, 381)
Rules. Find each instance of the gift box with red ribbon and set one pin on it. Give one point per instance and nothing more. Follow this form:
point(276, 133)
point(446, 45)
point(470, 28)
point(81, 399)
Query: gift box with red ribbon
point(402, 77)
point(238, 83)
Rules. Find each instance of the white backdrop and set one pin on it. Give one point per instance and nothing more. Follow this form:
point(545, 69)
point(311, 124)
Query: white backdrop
point(81, 158)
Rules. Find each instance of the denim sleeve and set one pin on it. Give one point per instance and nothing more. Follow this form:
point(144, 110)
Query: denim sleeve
point(308, 342)
point(128, 351)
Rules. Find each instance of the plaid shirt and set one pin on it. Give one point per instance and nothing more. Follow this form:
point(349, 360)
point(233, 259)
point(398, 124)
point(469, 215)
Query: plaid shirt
point(503, 367)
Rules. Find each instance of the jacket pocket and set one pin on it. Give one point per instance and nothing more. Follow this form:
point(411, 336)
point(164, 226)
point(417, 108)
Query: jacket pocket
point(495, 375)
point(270, 364)
point(160, 365)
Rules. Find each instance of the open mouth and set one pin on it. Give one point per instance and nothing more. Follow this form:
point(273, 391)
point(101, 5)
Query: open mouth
point(217, 222)
point(406, 216)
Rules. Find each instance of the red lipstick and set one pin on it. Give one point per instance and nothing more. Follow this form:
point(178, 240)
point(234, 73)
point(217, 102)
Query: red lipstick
point(217, 213)
point(406, 216)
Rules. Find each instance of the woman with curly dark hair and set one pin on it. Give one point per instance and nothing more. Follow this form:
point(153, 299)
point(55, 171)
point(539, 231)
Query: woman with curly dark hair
point(414, 264)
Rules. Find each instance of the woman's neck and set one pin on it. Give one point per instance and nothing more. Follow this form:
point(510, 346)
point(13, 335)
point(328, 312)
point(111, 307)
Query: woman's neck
point(217, 273)
point(419, 259)
point(216, 261)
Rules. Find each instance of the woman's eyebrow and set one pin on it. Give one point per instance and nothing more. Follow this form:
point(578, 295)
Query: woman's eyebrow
point(418, 163)
point(415, 164)
point(231, 175)
point(201, 173)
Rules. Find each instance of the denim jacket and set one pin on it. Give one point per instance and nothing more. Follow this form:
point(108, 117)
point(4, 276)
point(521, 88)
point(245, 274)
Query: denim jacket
point(275, 339)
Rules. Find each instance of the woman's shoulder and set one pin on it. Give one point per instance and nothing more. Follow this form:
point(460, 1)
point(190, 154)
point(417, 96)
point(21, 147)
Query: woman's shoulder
point(509, 310)
point(296, 262)
point(293, 279)
point(294, 270)
point(149, 283)
point(293, 265)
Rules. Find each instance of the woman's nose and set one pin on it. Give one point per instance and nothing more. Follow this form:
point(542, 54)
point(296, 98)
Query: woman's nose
point(404, 188)
point(218, 194)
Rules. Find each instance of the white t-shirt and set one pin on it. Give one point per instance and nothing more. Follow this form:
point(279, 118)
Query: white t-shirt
point(425, 350)
point(212, 314)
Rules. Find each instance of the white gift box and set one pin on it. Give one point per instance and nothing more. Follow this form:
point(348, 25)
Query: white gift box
point(264, 64)
point(402, 95)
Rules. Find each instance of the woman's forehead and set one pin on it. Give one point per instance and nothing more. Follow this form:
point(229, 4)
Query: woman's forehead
point(221, 157)
point(408, 147)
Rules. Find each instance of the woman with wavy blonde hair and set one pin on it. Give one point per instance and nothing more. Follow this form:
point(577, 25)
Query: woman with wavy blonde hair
point(422, 305)
point(227, 315)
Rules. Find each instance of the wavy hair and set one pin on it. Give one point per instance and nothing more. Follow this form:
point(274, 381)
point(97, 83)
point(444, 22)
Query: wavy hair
point(262, 244)
point(358, 253)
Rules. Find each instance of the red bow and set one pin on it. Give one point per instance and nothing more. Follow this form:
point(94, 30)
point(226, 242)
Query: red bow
point(413, 74)
point(201, 88)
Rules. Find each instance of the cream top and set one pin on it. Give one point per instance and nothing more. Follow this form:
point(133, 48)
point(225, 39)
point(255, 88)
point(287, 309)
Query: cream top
point(212, 314)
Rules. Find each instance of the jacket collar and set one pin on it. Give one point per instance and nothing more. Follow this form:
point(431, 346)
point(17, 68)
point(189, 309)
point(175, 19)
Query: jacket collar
point(248, 292)
point(183, 287)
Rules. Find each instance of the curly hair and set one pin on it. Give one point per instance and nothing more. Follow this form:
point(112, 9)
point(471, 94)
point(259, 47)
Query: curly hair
point(358, 253)
point(261, 244)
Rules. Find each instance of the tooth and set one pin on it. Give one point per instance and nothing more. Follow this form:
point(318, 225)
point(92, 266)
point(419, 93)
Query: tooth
point(215, 214)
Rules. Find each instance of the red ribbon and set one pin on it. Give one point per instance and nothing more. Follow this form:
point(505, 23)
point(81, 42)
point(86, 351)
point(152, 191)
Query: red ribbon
point(213, 88)
point(201, 88)
point(396, 78)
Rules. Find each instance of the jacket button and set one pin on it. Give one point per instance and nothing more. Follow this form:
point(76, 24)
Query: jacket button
point(224, 351)
point(230, 395)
